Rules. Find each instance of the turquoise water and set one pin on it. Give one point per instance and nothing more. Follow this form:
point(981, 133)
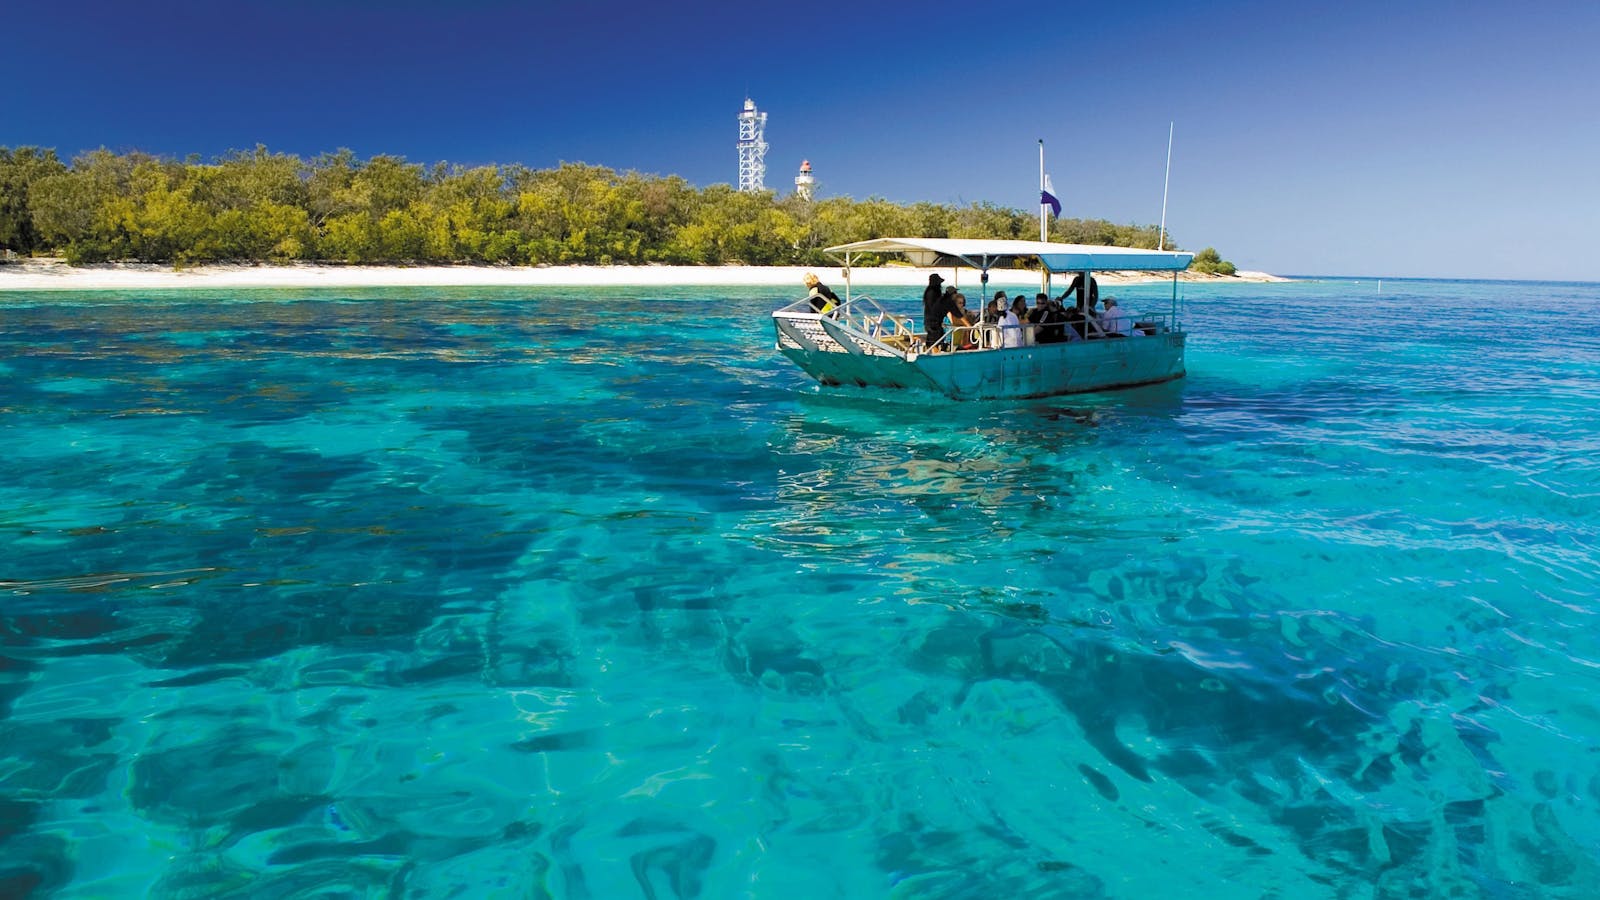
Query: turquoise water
point(591, 594)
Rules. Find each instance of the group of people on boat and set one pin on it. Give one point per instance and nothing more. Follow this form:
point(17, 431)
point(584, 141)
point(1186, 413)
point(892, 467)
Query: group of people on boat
point(1051, 320)
point(1054, 320)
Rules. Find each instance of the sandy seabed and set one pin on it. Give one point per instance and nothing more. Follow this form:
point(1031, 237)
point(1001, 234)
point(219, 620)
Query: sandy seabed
point(54, 275)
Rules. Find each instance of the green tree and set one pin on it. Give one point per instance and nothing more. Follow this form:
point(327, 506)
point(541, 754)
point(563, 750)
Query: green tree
point(732, 226)
point(20, 169)
point(1208, 262)
point(472, 215)
point(161, 218)
point(578, 213)
point(403, 235)
point(328, 179)
point(986, 220)
point(350, 237)
point(270, 231)
point(658, 208)
point(387, 184)
point(259, 205)
point(80, 212)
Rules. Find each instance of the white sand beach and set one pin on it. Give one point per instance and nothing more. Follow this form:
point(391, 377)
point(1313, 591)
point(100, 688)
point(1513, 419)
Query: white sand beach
point(54, 275)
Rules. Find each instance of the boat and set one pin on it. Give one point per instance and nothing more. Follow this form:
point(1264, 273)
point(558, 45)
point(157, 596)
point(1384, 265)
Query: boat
point(860, 342)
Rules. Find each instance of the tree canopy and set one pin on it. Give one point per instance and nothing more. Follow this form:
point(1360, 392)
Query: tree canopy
point(1209, 262)
point(262, 206)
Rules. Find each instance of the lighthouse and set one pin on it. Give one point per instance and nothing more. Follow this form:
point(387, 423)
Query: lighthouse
point(804, 183)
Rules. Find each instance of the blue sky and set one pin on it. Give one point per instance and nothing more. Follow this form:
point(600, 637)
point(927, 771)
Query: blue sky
point(1447, 139)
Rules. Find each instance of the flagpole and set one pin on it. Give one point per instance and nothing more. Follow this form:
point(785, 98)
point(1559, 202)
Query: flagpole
point(1044, 229)
point(1161, 242)
point(1044, 224)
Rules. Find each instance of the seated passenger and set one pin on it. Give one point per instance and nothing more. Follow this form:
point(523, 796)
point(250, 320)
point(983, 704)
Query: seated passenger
point(963, 336)
point(1116, 321)
point(1092, 326)
point(992, 312)
point(1019, 308)
point(1010, 327)
point(1041, 303)
point(1053, 324)
point(1074, 318)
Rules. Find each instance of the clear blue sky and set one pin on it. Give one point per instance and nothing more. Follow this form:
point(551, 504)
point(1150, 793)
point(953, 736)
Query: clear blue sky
point(1455, 139)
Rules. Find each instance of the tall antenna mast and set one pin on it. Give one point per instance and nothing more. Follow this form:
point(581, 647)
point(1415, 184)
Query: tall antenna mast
point(1161, 240)
point(752, 148)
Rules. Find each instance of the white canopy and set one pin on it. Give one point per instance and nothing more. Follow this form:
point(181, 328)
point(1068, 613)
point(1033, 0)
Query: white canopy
point(983, 253)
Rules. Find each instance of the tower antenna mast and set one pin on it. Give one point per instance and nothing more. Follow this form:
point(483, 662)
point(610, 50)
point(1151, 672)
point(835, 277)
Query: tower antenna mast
point(752, 148)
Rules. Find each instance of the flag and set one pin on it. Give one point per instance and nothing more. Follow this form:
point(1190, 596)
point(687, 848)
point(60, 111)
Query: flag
point(1047, 197)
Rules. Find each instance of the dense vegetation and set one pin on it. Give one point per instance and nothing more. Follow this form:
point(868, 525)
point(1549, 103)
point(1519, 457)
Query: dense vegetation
point(1210, 263)
point(263, 206)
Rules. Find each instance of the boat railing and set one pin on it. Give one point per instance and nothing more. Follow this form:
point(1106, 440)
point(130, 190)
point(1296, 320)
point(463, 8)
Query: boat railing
point(803, 305)
point(860, 312)
point(1154, 323)
point(992, 337)
point(866, 316)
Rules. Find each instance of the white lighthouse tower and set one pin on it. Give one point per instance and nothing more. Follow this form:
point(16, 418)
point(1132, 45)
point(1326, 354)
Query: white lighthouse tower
point(804, 184)
point(752, 148)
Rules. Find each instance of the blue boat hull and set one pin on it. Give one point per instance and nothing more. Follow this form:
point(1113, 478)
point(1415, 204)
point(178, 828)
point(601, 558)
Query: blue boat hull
point(835, 354)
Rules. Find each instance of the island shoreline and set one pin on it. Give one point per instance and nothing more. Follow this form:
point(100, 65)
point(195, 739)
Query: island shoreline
point(55, 275)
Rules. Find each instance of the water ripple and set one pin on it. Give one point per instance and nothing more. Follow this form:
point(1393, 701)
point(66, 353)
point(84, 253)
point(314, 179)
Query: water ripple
point(591, 594)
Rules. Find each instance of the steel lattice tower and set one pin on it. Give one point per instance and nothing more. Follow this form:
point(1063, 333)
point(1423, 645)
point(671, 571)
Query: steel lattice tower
point(752, 148)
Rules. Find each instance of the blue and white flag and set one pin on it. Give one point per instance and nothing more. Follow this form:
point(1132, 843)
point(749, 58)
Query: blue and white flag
point(1047, 197)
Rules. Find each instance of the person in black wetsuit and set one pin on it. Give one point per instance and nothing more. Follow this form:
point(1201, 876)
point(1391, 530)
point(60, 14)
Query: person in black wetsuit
point(821, 294)
point(934, 308)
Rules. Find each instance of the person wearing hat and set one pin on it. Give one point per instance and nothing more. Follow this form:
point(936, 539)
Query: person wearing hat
point(823, 299)
point(1115, 320)
point(934, 308)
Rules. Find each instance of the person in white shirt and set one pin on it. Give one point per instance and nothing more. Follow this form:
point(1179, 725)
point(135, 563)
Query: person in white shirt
point(1116, 320)
point(1010, 328)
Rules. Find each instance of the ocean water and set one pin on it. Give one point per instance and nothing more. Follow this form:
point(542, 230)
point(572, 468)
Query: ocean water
point(590, 594)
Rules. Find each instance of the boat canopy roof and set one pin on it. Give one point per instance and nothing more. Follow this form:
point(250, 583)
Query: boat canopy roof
point(984, 253)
